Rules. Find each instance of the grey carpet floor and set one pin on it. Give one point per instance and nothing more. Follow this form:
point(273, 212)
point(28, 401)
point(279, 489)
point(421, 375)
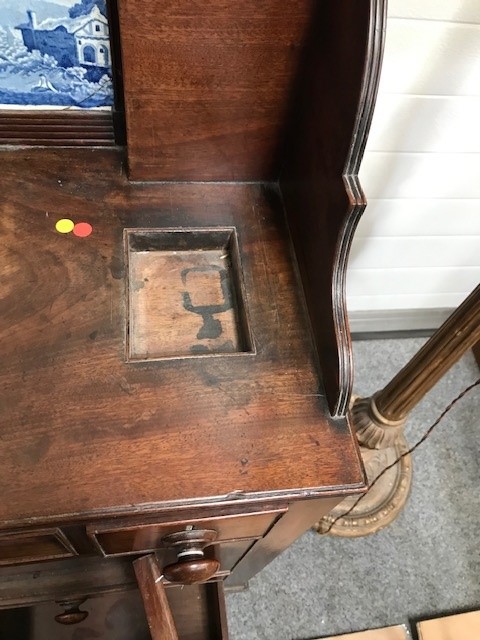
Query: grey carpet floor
point(426, 563)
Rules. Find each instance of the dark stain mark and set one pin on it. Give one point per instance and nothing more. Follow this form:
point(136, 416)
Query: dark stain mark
point(117, 268)
point(38, 450)
point(139, 284)
point(199, 349)
point(226, 347)
point(315, 441)
point(211, 328)
point(244, 471)
point(124, 386)
point(208, 378)
point(93, 335)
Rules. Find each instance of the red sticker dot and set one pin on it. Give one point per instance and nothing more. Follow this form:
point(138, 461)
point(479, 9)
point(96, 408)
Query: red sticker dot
point(82, 229)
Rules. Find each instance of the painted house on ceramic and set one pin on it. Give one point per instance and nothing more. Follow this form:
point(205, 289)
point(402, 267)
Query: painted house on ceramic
point(81, 41)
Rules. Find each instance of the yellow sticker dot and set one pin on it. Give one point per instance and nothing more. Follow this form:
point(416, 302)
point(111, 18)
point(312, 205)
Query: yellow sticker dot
point(64, 225)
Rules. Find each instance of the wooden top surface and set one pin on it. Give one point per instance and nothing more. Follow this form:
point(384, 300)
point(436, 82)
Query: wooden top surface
point(84, 432)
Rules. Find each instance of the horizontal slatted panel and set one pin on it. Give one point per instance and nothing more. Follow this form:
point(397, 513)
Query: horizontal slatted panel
point(56, 128)
point(431, 58)
point(417, 246)
point(439, 251)
point(423, 217)
point(414, 280)
point(452, 10)
point(392, 301)
point(422, 175)
point(433, 124)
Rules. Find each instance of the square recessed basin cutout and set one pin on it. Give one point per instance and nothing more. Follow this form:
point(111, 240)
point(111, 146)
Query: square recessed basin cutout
point(185, 294)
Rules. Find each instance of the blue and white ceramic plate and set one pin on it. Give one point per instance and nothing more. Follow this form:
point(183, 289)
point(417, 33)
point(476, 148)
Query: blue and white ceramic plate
point(55, 54)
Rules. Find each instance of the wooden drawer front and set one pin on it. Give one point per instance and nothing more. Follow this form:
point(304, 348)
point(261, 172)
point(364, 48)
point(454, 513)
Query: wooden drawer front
point(148, 537)
point(48, 544)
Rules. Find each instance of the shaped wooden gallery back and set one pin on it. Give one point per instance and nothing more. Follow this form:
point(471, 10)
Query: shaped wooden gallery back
point(252, 92)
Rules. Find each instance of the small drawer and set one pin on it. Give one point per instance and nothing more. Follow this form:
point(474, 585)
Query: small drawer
point(47, 544)
point(142, 538)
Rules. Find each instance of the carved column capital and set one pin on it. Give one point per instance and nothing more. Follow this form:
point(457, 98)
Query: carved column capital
point(373, 430)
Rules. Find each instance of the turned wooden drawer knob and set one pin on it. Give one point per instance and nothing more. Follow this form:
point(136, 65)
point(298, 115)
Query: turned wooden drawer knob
point(191, 565)
point(72, 613)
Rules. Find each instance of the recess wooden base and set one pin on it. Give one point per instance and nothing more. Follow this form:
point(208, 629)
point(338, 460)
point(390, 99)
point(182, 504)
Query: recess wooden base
point(382, 503)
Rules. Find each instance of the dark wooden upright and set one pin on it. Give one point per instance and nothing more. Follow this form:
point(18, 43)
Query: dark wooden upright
point(176, 383)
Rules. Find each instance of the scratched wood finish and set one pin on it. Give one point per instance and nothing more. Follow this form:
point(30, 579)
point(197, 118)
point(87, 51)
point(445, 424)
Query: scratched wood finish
point(85, 432)
point(207, 86)
point(330, 115)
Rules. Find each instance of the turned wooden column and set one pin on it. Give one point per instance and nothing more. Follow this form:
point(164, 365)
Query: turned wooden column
point(379, 421)
point(456, 336)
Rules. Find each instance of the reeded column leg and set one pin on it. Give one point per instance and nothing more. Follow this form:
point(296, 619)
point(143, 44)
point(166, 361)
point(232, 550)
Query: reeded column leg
point(379, 422)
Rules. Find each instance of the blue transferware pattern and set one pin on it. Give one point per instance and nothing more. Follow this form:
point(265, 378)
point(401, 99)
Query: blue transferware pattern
point(58, 56)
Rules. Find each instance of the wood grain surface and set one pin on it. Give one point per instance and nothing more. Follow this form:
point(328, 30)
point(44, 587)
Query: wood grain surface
point(84, 432)
point(208, 86)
